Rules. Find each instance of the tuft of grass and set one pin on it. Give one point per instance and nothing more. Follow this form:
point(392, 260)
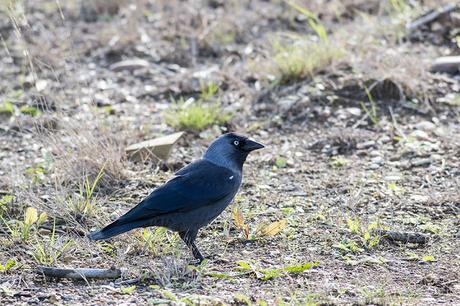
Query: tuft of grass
point(195, 115)
point(21, 229)
point(301, 58)
point(364, 238)
point(372, 112)
point(177, 271)
point(30, 110)
point(338, 162)
point(159, 240)
point(10, 263)
point(4, 201)
point(80, 154)
point(47, 253)
point(85, 202)
point(7, 108)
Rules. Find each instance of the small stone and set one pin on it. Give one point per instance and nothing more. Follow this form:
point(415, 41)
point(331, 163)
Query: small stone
point(373, 166)
point(420, 162)
point(420, 135)
point(355, 111)
point(366, 145)
point(419, 198)
point(449, 64)
point(157, 148)
point(377, 160)
point(130, 64)
point(375, 153)
point(41, 85)
point(426, 126)
point(392, 178)
point(385, 139)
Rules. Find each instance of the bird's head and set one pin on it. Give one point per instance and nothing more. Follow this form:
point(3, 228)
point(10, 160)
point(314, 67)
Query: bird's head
point(230, 150)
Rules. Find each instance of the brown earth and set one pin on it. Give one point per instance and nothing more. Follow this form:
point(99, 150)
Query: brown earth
point(340, 164)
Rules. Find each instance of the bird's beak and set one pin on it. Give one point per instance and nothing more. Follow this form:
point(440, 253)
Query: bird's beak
point(251, 145)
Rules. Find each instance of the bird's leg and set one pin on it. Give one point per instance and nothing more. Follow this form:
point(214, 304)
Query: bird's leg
point(189, 238)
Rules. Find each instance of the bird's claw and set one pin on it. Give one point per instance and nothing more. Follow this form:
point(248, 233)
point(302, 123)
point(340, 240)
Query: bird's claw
point(196, 262)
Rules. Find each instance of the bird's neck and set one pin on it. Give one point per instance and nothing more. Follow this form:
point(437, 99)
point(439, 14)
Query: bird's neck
point(233, 164)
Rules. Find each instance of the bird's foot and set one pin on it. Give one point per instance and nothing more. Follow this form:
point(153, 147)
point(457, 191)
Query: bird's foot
point(216, 258)
point(197, 262)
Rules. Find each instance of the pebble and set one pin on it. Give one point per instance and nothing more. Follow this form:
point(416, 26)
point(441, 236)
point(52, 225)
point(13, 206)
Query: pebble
point(426, 126)
point(385, 139)
point(374, 166)
point(392, 178)
point(366, 145)
point(377, 160)
point(420, 135)
point(420, 162)
point(355, 111)
point(419, 198)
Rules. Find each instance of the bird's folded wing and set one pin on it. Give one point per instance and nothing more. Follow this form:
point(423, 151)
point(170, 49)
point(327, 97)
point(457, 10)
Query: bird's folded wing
point(201, 183)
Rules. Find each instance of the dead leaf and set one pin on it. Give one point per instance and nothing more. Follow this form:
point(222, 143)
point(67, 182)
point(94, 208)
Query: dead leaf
point(273, 228)
point(238, 218)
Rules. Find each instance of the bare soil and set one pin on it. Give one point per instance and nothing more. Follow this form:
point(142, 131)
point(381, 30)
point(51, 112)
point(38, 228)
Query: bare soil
point(337, 165)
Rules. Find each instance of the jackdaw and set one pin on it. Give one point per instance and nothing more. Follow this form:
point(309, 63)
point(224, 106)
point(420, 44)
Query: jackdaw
point(195, 196)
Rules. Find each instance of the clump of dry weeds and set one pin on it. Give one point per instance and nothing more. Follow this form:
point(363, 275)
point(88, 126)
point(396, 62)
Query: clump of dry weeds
point(80, 153)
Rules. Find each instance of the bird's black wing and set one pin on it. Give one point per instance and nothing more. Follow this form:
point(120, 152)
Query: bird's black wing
point(199, 184)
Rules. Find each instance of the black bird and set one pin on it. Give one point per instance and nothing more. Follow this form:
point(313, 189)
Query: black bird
point(195, 196)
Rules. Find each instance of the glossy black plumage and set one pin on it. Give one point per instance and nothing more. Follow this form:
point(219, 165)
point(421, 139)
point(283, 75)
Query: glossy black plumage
point(195, 196)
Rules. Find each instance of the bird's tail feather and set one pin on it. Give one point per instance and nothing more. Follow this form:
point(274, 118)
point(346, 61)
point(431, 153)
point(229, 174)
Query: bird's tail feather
point(115, 229)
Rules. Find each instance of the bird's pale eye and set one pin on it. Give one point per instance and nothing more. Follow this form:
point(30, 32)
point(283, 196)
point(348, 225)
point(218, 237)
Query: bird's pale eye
point(236, 142)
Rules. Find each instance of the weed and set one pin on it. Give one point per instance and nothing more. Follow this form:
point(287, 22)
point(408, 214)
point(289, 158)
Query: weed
point(159, 240)
point(4, 201)
point(266, 274)
point(84, 204)
point(37, 172)
point(280, 162)
point(174, 271)
point(22, 229)
point(195, 115)
point(302, 57)
point(47, 253)
point(81, 152)
point(127, 290)
point(7, 108)
point(338, 162)
point(208, 90)
point(223, 34)
point(364, 237)
point(30, 110)
point(10, 263)
point(372, 113)
point(313, 21)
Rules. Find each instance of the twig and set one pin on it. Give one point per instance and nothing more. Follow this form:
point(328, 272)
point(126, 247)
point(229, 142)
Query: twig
point(405, 237)
point(80, 274)
point(430, 17)
point(129, 281)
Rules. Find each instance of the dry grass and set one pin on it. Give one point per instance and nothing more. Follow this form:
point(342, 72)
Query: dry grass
point(81, 152)
point(319, 209)
point(296, 57)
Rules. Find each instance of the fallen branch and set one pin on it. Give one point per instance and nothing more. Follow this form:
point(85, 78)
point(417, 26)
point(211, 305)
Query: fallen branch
point(80, 274)
point(405, 237)
point(430, 17)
